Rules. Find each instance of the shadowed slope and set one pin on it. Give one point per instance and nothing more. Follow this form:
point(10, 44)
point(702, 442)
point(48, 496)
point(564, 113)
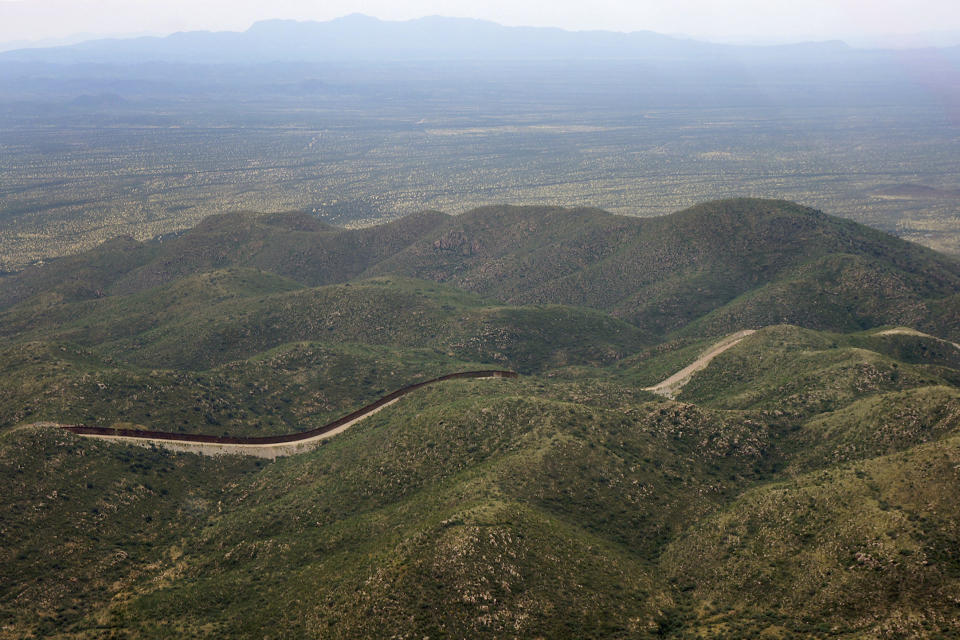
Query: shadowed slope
point(710, 270)
point(663, 273)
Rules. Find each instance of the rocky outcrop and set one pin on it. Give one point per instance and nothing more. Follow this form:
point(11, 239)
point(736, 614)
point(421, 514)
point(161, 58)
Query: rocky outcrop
point(456, 241)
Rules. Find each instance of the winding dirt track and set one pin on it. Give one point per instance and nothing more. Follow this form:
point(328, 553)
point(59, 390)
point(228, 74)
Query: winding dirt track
point(674, 383)
point(265, 446)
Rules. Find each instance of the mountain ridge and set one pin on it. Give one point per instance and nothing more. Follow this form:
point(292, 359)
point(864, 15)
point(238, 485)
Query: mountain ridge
point(715, 268)
point(430, 37)
point(801, 484)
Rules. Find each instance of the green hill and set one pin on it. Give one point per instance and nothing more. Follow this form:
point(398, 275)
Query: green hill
point(294, 245)
point(482, 509)
point(663, 273)
point(215, 317)
point(241, 351)
point(801, 484)
point(707, 270)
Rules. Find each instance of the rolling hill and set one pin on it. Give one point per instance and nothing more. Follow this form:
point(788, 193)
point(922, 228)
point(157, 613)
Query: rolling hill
point(801, 484)
point(726, 264)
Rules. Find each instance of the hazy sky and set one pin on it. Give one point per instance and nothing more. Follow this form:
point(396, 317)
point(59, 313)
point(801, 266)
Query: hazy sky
point(754, 20)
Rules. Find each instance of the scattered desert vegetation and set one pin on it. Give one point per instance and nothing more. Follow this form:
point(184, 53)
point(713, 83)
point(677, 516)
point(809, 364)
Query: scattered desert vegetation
point(800, 485)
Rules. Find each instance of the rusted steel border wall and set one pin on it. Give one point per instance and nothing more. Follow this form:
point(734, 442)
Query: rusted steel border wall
point(289, 437)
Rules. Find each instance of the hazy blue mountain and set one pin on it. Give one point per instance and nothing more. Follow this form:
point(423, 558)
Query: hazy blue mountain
point(358, 37)
point(438, 56)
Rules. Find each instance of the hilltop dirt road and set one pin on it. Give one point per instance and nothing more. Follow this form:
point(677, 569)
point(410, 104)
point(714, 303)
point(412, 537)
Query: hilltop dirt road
point(906, 331)
point(672, 385)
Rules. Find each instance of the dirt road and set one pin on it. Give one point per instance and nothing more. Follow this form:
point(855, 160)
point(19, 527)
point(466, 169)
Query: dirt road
point(906, 331)
point(266, 446)
point(674, 383)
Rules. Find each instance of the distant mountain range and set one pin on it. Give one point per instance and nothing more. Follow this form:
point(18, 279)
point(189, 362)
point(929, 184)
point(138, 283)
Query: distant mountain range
point(362, 38)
